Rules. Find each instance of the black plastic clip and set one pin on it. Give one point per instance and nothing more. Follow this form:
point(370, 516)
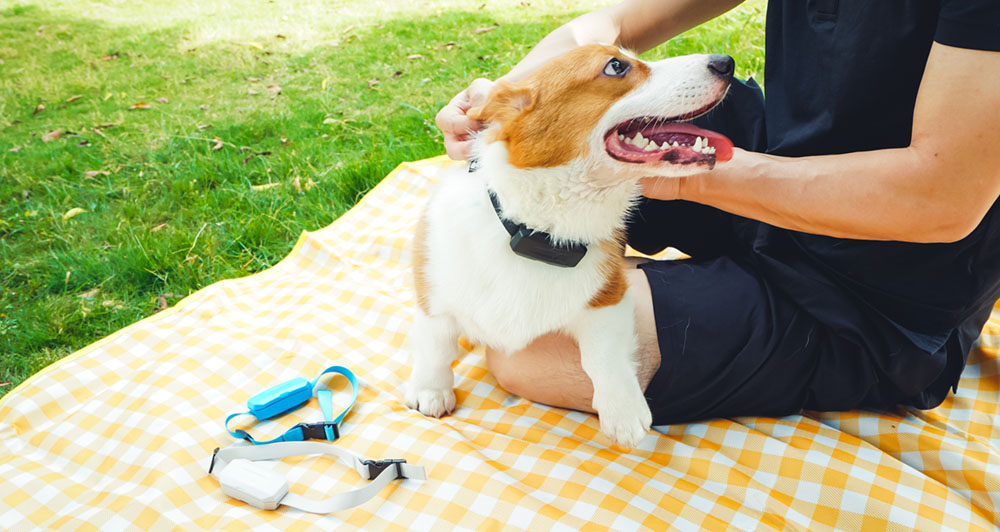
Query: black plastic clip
point(317, 431)
point(212, 465)
point(376, 467)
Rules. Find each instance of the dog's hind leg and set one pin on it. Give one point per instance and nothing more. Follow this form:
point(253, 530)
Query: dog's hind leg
point(608, 346)
point(434, 346)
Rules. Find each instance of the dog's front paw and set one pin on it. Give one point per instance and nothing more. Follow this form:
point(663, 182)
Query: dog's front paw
point(431, 402)
point(625, 422)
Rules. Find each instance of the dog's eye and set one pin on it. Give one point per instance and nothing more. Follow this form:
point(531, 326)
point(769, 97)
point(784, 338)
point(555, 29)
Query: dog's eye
point(616, 68)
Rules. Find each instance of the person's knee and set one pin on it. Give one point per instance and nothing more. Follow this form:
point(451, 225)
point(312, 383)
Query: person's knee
point(506, 373)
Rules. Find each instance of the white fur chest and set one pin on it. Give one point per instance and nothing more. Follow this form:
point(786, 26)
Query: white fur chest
point(495, 296)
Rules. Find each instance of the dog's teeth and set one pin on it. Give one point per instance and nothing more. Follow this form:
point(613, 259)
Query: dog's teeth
point(621, 137)
point(675, 145)
point(651, 146)
point(710, 149)
point(697, 144)
point(639, 140)
point(628, 140)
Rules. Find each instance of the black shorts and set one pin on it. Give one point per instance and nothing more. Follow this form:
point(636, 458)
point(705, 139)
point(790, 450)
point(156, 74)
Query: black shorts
point(747, 326)
point(733, 345)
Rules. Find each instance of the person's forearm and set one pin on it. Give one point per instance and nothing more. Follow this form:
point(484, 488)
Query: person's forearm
point(938, 189)
point(637, 25)
point(878, 195)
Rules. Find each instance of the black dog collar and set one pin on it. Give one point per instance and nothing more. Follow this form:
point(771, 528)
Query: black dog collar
point(536, 245)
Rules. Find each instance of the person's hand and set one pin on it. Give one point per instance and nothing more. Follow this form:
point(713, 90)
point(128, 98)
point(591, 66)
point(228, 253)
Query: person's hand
point(671, 188)
point(455, 124)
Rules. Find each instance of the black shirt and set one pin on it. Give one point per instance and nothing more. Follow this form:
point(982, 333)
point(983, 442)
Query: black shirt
point(842, 76)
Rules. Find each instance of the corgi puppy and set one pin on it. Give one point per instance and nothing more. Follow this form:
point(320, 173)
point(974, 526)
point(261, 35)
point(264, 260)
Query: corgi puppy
point(532, 241)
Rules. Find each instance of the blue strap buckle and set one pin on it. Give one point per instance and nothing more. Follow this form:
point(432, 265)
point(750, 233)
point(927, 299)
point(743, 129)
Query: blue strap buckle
point(321, 430)
point(291, 395)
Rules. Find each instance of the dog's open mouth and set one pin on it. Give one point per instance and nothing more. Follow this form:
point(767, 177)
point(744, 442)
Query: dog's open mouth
point(652, 139)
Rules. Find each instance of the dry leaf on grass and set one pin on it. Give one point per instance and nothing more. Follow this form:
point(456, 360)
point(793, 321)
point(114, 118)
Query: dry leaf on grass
point(274, 89)
point(253, 80)
point(95, 173)
point(485, 29)
point(110, 57)
point(264, 186)
point(72, 99)
point(52, 135)
point(16, 149)
point(39, 108)
point(161, 304)
point(203, 127)
point(73, 212)
point(218, 144)
point(140, 105)
point(83, 143)
point(414, 56)
point(89, 294)
point(303, 187)
point(252, 92)
point(280, 36)
point(372, 83)
point(163, 100)
point(447, 46)
point(397, 73)
point(158, 228)
point(252, 155)
point(255, 46)
point(99, 133)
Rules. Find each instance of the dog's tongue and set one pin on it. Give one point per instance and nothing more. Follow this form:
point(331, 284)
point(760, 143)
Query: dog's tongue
point(723, 146)
point(648, 141)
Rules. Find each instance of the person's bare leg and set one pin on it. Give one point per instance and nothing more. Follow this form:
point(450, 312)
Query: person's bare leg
point(549, 370)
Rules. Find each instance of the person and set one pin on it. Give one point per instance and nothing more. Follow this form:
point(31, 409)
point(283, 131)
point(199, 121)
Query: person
point(847, 256)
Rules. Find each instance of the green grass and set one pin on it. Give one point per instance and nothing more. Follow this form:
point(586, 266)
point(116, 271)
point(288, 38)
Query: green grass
point(167, 213)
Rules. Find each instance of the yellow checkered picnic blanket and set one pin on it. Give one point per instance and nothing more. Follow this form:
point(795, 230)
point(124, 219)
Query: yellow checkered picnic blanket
point(118, 436)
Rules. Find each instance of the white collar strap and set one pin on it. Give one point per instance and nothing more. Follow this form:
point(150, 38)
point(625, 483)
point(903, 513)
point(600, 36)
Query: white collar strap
point(266, 489)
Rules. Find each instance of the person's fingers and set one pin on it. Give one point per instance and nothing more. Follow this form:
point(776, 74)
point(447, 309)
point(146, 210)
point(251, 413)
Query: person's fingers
point(453, 120)
point(458, 150)
point(477, 92)
point(457, 130)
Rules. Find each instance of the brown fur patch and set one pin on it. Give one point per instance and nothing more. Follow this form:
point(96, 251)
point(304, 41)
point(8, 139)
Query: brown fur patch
point(546, 118)
point(420, 282)
point(613, 269)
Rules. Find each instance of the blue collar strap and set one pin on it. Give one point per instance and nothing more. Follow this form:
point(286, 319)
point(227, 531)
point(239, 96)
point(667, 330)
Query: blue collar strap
point(291, 395)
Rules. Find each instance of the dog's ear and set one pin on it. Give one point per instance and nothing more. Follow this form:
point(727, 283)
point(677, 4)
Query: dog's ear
point(505, 102)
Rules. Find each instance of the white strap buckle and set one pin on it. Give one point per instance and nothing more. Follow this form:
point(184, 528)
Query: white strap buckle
point(243, 479)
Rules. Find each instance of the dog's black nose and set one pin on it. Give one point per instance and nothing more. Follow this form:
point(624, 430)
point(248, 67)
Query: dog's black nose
point(722, 66)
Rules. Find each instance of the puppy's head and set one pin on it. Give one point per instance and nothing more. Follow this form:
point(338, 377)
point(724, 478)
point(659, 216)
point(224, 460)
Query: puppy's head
point(619, 116)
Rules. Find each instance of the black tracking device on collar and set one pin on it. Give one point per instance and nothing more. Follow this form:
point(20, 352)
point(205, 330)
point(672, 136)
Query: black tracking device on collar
point(538, 245)
point(535, 245)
